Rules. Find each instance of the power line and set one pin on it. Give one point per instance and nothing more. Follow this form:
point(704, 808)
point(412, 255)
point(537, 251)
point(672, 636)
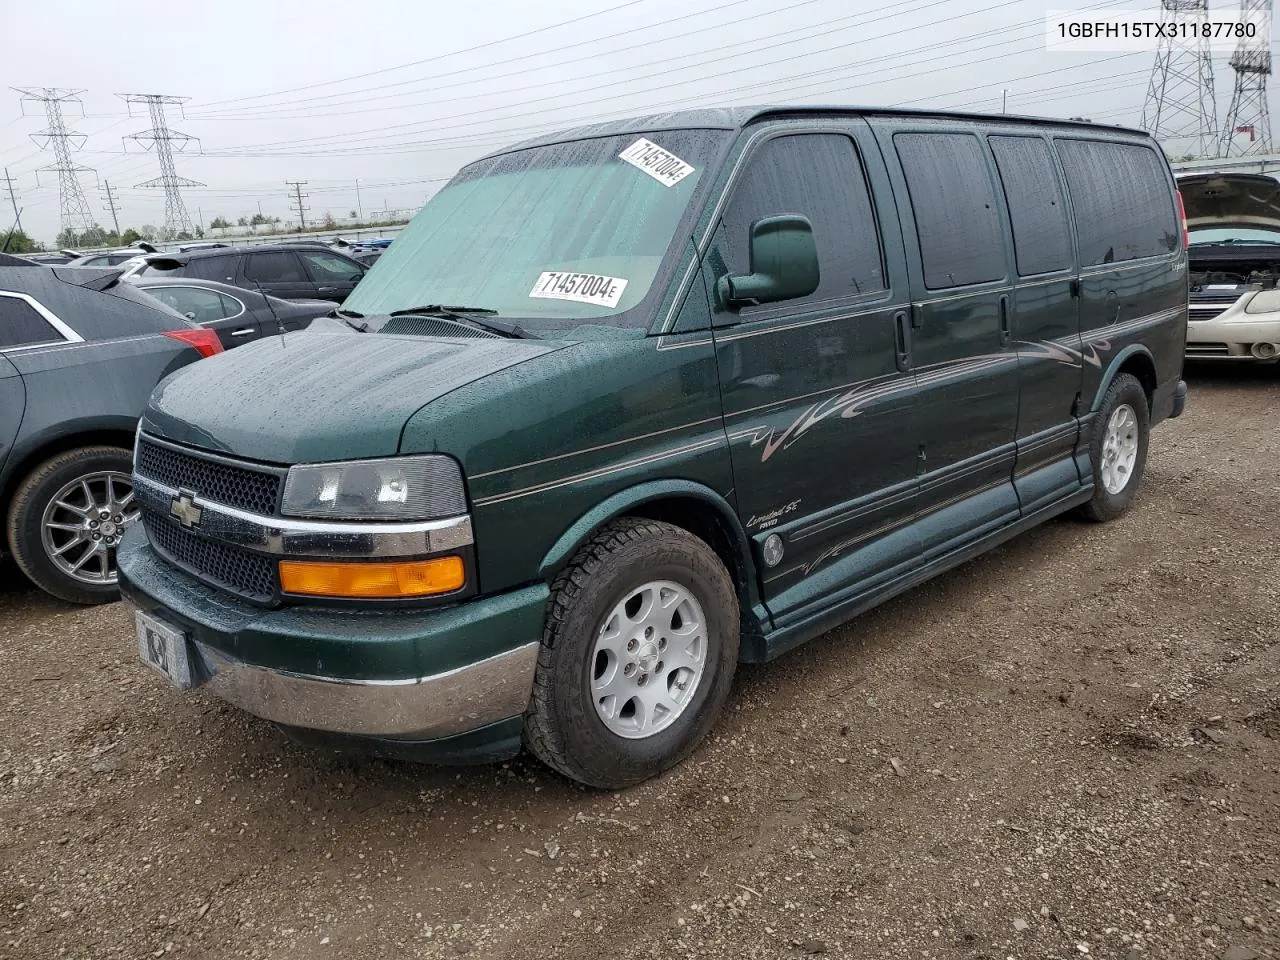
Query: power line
point(163, 139)
point(74, 208)
point(434, 58)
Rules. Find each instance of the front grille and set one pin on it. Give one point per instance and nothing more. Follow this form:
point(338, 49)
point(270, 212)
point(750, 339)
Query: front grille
point(1204, 313)
point(251, 575)
point(1208, 350)
point(244, 487)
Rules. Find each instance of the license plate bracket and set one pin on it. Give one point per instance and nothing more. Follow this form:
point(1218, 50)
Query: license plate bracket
point(164, 648)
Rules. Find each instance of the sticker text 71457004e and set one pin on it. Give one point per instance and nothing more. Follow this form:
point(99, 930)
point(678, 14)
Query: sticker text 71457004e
point(663, 165)
point(579, 287)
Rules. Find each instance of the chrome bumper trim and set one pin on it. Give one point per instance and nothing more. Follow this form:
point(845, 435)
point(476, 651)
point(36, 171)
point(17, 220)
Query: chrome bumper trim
point(424, 708)
point(285, 537)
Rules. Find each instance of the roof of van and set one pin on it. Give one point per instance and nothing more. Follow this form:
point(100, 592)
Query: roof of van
point(734, 118)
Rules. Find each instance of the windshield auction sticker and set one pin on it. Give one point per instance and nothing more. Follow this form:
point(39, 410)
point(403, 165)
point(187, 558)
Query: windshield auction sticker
point(579, 287)
point(662, 165)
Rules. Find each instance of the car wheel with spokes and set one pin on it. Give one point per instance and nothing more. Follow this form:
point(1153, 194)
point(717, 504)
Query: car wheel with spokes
point(1118, 452)
point(638, 655)
point(67, 518)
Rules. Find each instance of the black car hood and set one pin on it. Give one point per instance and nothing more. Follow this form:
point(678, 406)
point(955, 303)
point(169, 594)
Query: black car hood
point(312, 397)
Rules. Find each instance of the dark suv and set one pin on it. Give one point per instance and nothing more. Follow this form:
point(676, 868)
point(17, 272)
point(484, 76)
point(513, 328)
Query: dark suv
point(301, 271)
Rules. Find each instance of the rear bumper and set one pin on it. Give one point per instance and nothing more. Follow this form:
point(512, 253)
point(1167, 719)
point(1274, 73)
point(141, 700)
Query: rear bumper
point(1179, 399)
point(402, 674)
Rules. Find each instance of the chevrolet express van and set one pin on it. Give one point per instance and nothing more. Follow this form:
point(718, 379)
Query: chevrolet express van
point(626, 405)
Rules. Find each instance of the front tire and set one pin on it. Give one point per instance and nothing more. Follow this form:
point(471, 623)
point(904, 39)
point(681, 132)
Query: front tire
point(66, 518)
point(1118, 453)
point(638, 655)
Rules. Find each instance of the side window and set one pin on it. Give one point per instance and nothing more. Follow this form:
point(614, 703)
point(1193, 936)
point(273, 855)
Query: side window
point(1037, 213)
point(21, 325)
point(279, 266)
point(1122, 200)
point(195, 303)
point(818, 176)
point(957, 222)
point(209, 268)
point(326, 266)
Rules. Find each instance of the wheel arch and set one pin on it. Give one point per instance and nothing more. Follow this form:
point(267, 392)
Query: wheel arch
point(70, 438)
point(1135, 360)
point(685, 504)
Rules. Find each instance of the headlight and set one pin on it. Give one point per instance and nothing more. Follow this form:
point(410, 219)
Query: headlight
point(397, 488)
point(1264, 301)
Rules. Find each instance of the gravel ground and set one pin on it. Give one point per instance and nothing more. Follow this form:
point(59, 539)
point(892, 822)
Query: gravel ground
point(1068, 747)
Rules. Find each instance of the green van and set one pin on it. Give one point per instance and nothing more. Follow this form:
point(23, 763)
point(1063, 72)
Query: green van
point(626, 405)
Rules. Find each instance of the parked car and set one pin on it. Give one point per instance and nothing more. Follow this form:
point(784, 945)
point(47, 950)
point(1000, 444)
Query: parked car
point(79, 355)
point(52, 258)
point(238, 316)
point(1234, 222)
point(111, 258)
point(628, 404)
point(291, 271)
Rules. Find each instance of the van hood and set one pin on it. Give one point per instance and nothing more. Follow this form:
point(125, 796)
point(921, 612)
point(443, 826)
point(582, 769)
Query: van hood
point(1230, 199)
point(310, 397)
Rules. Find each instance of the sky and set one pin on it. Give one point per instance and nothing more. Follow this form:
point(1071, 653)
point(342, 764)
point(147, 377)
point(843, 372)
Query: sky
point(398, 94)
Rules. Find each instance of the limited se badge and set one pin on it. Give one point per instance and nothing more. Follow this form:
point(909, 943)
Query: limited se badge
point(663, 165)
point(579, 287)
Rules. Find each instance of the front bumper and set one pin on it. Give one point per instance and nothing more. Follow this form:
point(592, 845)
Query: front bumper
point(405, 674)
point(1232, 334)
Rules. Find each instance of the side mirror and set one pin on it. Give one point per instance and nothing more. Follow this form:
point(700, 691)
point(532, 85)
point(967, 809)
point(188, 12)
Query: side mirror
point(784, 264)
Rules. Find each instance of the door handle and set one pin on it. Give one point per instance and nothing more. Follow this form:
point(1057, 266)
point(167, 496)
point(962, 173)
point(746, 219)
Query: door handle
point(902, 340)
point(1005, 335)
point(243, 332)
point(324, 289)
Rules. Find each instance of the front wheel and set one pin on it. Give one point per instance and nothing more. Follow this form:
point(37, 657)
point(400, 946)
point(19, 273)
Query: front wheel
point(638, 655)
point(66, 518)
point(1118, 453)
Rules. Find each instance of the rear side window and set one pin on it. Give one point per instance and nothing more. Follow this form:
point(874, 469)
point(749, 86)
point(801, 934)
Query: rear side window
point(275, 267)
point(818, 176)
point(1122, 200)
point(957, 222)
point(210, 268)
point(1041, 237)
point(21, 325)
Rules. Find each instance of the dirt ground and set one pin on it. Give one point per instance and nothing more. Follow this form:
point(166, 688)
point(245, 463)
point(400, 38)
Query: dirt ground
point(1068, 747)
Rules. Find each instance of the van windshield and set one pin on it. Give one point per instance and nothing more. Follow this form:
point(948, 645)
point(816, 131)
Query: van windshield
point(558, 236)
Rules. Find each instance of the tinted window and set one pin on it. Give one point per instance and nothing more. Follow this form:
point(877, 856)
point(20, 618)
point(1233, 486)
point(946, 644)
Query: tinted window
point(1041, 239)
point(1123, 204)
point(210, 268)
point(818, 176)
point(20, 324)
point(331, 267)
point(278, 267)
point(196, 303)
point(955, 208)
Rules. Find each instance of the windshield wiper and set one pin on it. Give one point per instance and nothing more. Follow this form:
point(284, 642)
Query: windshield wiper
point(347, 316)
point(469, 315)
point(1233, 242)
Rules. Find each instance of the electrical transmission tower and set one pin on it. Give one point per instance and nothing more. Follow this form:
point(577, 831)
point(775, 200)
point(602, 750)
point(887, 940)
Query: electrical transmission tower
point(165, 141)
point(110, 205)
point(299, 196)
point(75, 215)
point(1248, 114)
point(1180, 110)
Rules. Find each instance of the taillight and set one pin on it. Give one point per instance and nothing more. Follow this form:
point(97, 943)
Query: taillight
point(205, 341)
point(1182, 216)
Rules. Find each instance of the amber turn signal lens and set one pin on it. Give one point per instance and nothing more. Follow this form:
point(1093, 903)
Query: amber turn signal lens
point(415, 578)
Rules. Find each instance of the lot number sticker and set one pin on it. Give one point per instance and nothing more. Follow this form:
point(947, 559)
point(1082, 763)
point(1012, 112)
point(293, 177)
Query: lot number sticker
point(579, 287)
point(663, 166)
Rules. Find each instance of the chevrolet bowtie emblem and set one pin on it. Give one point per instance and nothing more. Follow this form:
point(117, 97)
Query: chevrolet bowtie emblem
point(183, 506)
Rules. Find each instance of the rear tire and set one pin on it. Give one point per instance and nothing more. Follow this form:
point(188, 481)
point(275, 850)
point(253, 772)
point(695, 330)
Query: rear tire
point(41, 534)
point(638, 655)
point(1118, 453)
